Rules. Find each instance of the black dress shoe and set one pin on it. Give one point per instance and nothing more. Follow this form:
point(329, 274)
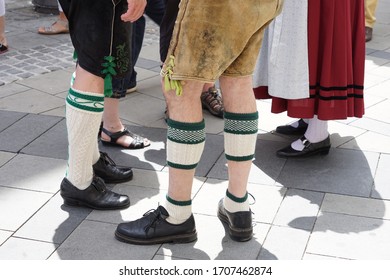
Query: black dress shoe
point(96, 196)
point(310, 149)
point(290, 130)
point(238, 224)
point(153, 228)
point(106, 169)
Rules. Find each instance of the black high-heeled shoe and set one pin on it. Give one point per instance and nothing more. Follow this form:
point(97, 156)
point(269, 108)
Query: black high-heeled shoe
point(310, 149)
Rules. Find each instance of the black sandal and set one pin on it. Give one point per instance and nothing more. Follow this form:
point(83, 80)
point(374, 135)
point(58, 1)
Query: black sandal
point(137, 143)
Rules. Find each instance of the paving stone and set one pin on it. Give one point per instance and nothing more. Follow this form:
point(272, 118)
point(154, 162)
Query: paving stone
point(53, 223)
point(350, 237)
point(5, 157)
point(382, 190)
point(33, 173)
point(24, 249)
point(356, 206)
point(53, 143)
point(21, 133)
point(4, 235)
point(299, 209)
point(342, 172)
point(8, 118)
point(96, 241)
point(278, 247)
point(18, 205)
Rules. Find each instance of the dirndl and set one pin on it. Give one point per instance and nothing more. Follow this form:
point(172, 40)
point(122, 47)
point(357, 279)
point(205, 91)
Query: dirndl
point(336, 50)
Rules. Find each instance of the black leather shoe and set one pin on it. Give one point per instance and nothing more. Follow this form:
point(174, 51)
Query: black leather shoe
point(290, 130)
point(96, 196)
point(238, 224)
point(310, 149)
point(106, 169)
point(153, 228)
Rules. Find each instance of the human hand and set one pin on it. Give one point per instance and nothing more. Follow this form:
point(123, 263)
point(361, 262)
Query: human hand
point(135, 9)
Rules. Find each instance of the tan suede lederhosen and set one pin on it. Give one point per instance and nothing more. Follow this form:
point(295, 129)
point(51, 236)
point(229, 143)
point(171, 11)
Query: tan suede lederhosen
point(214, 38)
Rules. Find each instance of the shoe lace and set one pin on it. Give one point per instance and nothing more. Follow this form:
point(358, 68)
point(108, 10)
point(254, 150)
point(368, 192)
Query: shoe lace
point(107, 159)
point(98, 184)
point(157, 217)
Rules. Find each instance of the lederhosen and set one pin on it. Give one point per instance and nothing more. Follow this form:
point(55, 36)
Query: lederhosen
point(100, 38)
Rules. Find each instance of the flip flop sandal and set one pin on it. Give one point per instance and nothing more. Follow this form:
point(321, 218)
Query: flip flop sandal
point(137, 143)
point(51, 30)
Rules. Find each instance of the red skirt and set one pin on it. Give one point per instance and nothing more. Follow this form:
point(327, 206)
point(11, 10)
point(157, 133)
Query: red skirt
point(336, 47)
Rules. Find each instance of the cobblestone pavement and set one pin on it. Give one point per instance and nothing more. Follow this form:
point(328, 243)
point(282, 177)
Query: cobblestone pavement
point(33, 56)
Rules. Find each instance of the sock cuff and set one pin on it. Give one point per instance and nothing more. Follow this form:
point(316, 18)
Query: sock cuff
point(185, 144)
point(237, 199)
point(186, 133)
point(178, 203)
point(240, 132)
point(86, 101)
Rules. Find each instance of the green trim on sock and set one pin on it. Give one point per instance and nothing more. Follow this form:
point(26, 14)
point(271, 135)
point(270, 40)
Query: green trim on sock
point(243, 124)
point(186, 126)
point(241, 116)
point(85, 96)
point(244, 158)
point(182, 166)
point(178, 203)
point(235, 198)
point(186, 133)
point(85, 102)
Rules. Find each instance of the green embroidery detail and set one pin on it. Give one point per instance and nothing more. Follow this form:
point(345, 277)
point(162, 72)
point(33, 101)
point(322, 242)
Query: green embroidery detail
point(122, 58)
point(109, 71)
point(170, 84)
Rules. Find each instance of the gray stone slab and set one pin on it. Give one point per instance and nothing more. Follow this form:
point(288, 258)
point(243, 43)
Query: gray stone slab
point(4, 235)
point(369, 141)
point(17, 206)
point(31, 101)
point(356, 206)
point(8, 118)
point(33, 173)
point(25, 249)
point(266, 166)
point(373, 125)
point(379, 112)
point(283, 243)
point(10, 89)
point(299, 209)
point(141, 109)
point(53, 223)
point(24, 131)
point(214, 244)
point(53, 143)
point(52, 83)
point(342, 172)
point(96, 241)
point(350, 237)
point(382, 178)
point(5, 157)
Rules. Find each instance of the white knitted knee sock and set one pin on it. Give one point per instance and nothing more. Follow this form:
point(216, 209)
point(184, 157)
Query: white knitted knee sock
point(83, 116)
